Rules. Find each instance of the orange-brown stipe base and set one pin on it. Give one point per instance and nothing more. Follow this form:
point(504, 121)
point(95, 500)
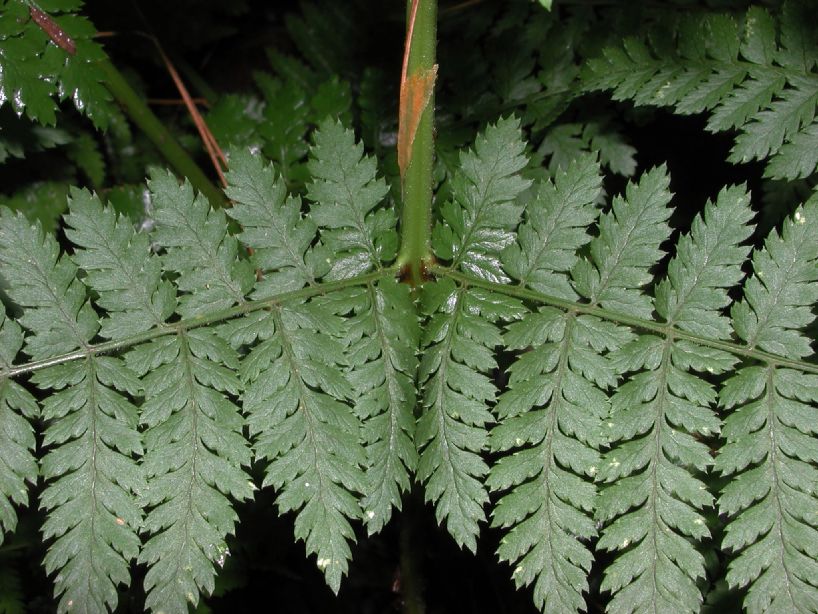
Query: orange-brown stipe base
point(405, 273)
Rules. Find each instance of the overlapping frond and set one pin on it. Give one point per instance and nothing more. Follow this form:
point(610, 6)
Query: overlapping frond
point(739, 73)
point(194, 446)
point(382, 353)
point(462, 329)
point(155, 355)
point(479, 220)
point(345, 193)
point(451, 434)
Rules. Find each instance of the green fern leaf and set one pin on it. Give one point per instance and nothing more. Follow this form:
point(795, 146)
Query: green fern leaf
point(799, 44)
point(344, 190)
point(23, 61)
point(457, 353)
point(794, 108)
point(298, 414)
point(19, 137)
point(287, 114)
point(33, 69)
point(552, 411)
point(798, 158)
point(194, 443)
point(555, 228)
point(627, 247)
point(81, 78)
point(771, 97)
point(384, 366)
point(17, 464)
point(654, 501)
point(272, 225)
point(771, 448)
point(116, 260)
point(43, 202)
point(566, 142)
point(332, 100)
point(758, 37)
point(198, 248)
point(194, 451)
point(91, 433)
point(740, 105)
point(477, 223)
point(297, 400)
point(85, 153)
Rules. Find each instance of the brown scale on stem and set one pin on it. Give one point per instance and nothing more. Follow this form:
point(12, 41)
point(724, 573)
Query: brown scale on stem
point(54, 31)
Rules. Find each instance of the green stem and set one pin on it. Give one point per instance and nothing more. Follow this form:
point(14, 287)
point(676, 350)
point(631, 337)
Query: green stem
point(143, 117)
point(664, 330)
point(416, 223)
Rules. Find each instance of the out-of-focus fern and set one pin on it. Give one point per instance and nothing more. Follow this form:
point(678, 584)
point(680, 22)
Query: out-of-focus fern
point(12, 600)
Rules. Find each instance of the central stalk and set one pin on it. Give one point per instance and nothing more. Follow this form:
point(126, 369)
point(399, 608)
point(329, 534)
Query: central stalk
point(416, 138)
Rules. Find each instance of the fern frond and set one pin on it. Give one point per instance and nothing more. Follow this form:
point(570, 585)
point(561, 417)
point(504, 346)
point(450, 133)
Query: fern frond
point(627, 247)
point(287, 119)
point(799, 43)
point(296, 398)
point(771, 446)
point(194, 450)
point(551, 414)
point(741, 75)
point(194, 446)
point(457, 352)
point(17, 406)
point(655, 498)
point(385, 339)
point(118, 268)
point(33, 70)
point(93, 479)
point(345, 190)
point(478, 222)
point(793, 108)
point(197, 247)
point(797, 158)
point(272, 225)
point(555, 227)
